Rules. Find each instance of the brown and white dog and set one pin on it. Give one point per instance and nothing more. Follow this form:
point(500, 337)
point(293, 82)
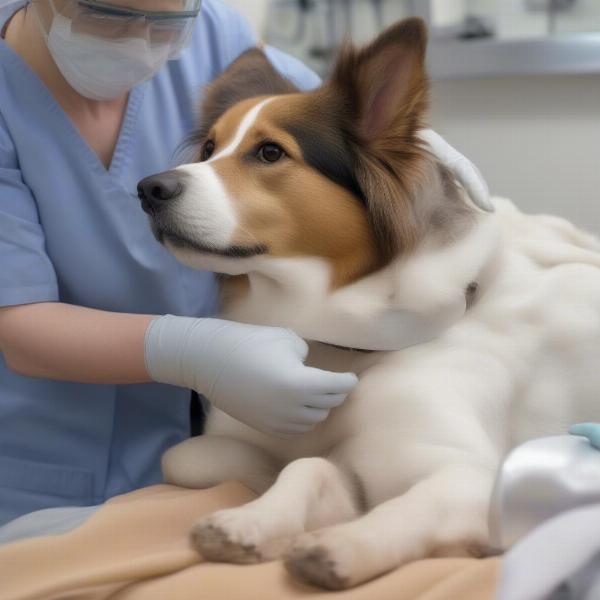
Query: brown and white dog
point(332, 217)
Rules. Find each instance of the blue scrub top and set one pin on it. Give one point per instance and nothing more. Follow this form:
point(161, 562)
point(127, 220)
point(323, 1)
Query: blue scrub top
point(73, 231)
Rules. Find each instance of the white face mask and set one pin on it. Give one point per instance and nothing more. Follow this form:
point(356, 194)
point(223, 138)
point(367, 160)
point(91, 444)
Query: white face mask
point(98, 68)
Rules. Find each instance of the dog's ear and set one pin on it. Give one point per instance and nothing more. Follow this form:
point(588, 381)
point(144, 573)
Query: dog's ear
point(385, 82)
point(250, 75)
point(385, 91)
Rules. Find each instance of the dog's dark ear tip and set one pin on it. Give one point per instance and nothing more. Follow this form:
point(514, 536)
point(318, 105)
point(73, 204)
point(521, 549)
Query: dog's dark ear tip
point(417, 28)
point(414, 23)
point(410, 32)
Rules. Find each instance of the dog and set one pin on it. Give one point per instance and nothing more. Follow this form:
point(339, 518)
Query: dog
point(329, 215)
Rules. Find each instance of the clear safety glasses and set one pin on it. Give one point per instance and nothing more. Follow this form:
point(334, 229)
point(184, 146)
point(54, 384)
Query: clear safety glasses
point(160, 23)
point(160, 9)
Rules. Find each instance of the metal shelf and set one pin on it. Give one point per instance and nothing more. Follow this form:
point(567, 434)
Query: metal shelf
point(561, 54)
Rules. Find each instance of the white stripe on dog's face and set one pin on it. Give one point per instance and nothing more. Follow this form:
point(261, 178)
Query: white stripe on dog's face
point(241, 132)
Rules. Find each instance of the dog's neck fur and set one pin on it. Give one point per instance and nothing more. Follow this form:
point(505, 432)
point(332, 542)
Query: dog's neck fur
point(410, 300)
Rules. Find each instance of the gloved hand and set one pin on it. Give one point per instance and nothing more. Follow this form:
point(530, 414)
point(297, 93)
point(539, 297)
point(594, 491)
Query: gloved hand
point(253, 373)
point(589, 430)
point(464, 170)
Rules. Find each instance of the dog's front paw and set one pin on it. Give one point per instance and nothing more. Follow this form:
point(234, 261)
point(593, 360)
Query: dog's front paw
point(324, 558)
point(232, 536)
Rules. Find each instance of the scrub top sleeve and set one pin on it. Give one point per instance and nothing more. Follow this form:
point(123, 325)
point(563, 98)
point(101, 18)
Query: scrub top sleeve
point(26, 272)
point(293, 69)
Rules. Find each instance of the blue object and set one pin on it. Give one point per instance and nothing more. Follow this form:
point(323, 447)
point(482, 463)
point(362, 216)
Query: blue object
point(589, 430)
point(73, 231)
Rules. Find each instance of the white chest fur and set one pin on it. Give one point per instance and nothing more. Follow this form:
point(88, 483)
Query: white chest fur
point(407, 302)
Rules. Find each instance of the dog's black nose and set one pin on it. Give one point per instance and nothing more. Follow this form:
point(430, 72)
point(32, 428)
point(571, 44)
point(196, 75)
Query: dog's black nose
point(156, 190)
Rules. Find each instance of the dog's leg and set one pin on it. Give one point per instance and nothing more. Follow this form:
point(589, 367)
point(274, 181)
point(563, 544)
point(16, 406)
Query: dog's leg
point(440, 515)
point(208, 460)
point(309, 493)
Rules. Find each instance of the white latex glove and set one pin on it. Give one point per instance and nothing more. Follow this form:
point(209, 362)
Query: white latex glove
point(253, 373)
point(464, 170)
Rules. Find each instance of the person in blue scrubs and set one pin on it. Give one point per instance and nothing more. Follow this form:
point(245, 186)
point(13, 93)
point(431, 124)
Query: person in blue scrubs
point(91, 102)
point(81, 273)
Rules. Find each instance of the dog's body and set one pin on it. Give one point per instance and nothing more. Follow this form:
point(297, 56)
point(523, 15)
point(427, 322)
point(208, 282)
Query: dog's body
point(405, 467)
point(427, 427)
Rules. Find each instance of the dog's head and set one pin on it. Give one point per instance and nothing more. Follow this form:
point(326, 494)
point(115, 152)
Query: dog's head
point(337, 174)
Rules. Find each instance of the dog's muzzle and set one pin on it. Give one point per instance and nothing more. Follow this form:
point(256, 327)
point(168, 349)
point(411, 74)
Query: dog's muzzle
point(156, 191)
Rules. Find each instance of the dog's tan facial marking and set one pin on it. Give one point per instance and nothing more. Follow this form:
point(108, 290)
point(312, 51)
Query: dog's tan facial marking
point(287, 205)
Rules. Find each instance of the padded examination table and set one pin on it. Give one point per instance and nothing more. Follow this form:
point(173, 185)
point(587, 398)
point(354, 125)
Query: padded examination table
point(135, 547)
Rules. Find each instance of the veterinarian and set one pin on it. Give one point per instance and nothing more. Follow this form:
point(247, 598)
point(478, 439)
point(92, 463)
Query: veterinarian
point(91, 101)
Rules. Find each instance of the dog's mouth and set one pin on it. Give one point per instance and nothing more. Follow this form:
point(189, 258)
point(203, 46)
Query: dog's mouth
point(176, 240)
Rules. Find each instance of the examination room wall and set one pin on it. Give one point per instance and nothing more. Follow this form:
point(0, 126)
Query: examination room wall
point(536, 139)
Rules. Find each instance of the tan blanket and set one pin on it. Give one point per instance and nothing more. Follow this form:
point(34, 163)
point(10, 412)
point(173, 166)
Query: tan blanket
point(136, 548)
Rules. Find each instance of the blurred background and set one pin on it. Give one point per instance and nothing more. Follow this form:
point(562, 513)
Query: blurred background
point(515, 83)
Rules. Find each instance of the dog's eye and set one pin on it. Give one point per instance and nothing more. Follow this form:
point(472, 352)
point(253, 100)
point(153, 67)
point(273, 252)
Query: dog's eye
point(207, 150)
point(270, 153)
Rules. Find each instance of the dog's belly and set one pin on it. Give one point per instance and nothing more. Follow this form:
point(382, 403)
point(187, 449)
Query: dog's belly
point(342, 424)
point(396, 423)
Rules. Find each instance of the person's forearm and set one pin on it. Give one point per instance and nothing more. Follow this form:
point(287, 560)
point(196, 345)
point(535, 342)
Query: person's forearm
point(72, 343)
point(255, 374)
